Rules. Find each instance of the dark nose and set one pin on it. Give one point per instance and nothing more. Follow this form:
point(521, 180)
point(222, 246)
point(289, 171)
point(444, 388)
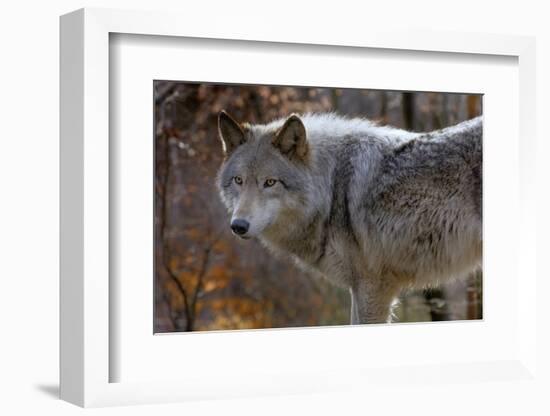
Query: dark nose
point(240, 227)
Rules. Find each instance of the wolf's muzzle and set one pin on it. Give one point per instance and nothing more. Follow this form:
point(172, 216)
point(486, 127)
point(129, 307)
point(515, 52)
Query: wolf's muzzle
point(240, 227)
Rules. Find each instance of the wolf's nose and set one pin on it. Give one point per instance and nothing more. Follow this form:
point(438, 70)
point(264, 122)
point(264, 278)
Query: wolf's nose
point(240, 227)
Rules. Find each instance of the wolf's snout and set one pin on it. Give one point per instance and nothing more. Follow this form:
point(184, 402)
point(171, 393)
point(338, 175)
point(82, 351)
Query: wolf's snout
point(240, 227)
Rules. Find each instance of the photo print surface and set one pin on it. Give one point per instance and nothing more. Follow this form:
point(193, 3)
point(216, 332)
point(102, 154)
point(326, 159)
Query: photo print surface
point(280, 206)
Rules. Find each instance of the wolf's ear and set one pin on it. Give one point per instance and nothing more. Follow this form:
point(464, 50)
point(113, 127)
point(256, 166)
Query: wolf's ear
point(231, 134)
point(291, 138)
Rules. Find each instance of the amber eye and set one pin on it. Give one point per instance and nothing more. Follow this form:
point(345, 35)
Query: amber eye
point(269, 183)
point(238, 180)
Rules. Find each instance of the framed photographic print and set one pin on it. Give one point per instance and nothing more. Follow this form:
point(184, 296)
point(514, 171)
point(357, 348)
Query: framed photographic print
point(281, 213)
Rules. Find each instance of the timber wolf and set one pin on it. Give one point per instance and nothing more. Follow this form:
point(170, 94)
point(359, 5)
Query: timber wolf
point(370, 208)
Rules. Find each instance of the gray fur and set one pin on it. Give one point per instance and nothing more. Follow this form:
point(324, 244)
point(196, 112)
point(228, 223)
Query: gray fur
point(370, 208)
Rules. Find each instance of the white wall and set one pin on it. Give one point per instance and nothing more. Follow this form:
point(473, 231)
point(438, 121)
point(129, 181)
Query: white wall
point(29, 186)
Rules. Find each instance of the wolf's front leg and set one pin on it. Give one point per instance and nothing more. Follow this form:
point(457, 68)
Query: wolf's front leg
point(354, 315)
point(370, 304)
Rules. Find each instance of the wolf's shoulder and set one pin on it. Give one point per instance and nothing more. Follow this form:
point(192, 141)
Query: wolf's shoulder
point(333, 126)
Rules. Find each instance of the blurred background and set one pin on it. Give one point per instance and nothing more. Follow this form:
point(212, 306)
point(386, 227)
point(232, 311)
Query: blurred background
point(205, 278)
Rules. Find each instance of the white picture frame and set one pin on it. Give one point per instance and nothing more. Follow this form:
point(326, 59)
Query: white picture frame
point(86, 305)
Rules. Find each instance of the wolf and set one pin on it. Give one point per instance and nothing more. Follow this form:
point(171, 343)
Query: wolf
point(371, 208)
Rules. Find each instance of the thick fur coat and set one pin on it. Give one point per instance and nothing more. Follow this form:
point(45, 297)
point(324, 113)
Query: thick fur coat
point(373, 209)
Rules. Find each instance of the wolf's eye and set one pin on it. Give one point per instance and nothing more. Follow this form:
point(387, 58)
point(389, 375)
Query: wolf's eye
point(269, 183)
point(238, 180)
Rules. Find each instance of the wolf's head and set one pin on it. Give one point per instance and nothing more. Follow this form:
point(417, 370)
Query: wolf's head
point(265, 176)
